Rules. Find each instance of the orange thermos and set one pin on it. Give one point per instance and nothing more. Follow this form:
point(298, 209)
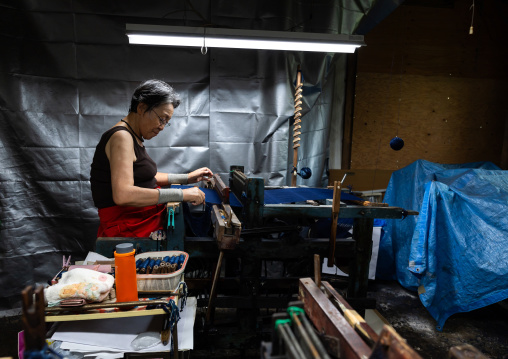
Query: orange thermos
point(125, 273)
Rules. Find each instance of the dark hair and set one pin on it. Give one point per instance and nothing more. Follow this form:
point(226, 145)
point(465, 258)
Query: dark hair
point(154, 93)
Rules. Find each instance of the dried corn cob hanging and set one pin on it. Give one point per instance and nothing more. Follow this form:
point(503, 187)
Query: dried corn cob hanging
point(297, 125)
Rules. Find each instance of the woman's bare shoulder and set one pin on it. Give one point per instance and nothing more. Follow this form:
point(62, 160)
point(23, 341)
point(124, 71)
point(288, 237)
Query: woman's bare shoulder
point(120, 142)
point(122, 136)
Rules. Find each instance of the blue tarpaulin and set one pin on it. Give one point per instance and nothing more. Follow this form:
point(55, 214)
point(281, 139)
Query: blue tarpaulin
point(456, 250)
point(460, 245)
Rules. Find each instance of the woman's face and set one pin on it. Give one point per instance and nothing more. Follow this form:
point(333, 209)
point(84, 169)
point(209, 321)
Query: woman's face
point(155, 120)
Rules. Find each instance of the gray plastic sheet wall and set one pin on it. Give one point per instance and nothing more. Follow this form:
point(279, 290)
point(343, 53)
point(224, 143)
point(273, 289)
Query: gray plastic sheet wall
point(67, 73)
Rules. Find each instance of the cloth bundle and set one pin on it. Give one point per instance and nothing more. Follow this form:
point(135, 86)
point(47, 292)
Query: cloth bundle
point(80, 283)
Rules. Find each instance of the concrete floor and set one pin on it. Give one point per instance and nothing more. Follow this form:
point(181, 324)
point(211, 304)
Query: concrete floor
point(485, 328)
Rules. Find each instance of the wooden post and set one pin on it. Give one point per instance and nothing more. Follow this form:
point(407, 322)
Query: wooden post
point(214, 288)
point(335, 217)
point(34, 324)
point(317, 270)
point(359, 268)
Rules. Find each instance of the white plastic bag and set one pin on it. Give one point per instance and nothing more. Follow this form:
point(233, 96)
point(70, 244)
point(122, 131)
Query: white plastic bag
point(146, 340)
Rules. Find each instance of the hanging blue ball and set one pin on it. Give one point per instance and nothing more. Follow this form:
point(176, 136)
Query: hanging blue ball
point(305, 173)
point(396, 143)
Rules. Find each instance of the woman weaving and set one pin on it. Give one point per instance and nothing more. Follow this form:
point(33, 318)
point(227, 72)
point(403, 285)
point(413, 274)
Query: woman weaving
point(124, 179)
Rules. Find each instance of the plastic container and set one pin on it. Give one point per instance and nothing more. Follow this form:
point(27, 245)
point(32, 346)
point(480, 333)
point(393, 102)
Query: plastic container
point(168, 281)
point(125, 273)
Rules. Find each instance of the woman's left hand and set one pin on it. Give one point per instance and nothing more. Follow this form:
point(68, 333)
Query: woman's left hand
point(202, 174)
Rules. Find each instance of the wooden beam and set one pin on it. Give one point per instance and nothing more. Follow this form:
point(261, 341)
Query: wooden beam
point(327, 319)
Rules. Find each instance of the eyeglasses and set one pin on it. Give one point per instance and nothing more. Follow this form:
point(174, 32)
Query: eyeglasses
point(162, 122)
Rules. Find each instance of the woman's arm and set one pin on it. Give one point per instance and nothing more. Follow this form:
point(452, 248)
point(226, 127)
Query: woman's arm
point(120, 152)
point(201, 174)
point(164, 179)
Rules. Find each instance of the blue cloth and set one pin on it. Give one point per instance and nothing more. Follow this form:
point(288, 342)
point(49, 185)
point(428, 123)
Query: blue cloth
point(301, 194)
point(459, 249)
point(213, 197)
point(406, 190)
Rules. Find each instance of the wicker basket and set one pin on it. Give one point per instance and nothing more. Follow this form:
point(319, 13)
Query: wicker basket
point(164, 282)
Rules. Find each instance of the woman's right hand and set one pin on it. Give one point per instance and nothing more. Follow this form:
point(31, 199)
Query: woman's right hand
point(193, 195)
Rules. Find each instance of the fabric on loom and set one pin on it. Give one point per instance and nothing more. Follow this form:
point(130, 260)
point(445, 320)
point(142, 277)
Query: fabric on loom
point(289, 195)
point(212, 197)
point(280, 196)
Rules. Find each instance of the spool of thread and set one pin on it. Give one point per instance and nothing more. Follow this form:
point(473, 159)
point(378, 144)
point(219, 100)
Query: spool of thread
point(139, 263)
point(397, 143)
point(150, 266)
point(145, 263)
point(125, 273)
point(143, 266)
point(305, 173)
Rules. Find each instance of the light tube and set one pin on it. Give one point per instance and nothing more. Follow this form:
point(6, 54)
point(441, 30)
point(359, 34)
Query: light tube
point(241, 39)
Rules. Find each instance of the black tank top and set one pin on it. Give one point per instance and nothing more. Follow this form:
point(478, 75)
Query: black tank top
point(100, 174)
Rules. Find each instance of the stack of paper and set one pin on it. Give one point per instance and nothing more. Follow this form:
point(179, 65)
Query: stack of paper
point(376, 236)
point(110, 338)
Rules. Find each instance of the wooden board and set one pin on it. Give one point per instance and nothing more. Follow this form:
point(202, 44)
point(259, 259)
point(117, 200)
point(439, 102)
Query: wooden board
point(90, 316)
point(327, 319)
point(442, 46)
point(361, 179)
point(431, 83)
point(444, 120)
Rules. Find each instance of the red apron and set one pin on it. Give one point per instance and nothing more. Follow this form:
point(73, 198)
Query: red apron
point(120, 221)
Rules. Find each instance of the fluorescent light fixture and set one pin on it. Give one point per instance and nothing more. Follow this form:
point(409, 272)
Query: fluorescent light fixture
point(241, 39)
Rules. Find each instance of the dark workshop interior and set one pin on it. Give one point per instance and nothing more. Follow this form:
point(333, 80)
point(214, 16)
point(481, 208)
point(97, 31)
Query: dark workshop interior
point(358, 206)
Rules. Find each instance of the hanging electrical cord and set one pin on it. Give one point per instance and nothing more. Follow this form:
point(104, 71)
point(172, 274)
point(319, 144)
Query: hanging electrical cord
point(397, 143)
point(472, 18)
point(400, 93)
point(204, 48)
point(382, 123)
